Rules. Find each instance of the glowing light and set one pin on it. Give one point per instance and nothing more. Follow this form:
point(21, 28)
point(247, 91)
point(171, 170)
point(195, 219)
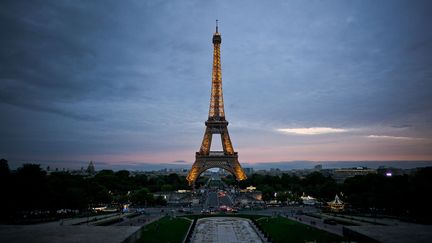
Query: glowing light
point(311, 130)
point(389, 174)
point(251, 188)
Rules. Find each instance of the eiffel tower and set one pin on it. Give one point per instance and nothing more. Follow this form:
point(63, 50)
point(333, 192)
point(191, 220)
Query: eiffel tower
point(216, 124)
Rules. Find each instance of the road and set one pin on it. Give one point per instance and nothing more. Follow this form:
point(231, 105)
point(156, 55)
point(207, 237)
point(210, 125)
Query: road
point(216, 197)
point(212, 200)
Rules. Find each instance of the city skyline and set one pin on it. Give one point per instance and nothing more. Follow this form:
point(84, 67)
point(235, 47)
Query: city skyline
point(130, 83)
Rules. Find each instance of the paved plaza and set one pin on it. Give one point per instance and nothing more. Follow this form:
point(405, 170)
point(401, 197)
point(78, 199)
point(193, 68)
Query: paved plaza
point(225, 230)
point(390, 234)
point(54, 233)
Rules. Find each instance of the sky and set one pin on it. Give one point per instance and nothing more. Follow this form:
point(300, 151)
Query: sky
point(128, 82)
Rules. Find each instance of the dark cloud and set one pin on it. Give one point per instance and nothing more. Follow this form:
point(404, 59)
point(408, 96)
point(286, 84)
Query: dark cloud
point(134, 76)
point(11, 99)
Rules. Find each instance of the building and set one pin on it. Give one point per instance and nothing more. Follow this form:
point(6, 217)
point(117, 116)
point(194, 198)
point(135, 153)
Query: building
point(91, 169)
point(340, 175)
point(248, 171)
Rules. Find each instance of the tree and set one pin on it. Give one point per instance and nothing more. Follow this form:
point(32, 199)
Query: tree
point(67, 191)
point(5, 190)
point(166, 187)
point(4, 168)
point(282, 197)
point(142, 197)
point(98, 194)
point(30, 188)
point(108, 179)
point(267, 193)
point(160, 201)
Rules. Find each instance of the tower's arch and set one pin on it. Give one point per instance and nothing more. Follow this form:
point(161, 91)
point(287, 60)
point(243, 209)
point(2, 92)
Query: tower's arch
point(221, 162)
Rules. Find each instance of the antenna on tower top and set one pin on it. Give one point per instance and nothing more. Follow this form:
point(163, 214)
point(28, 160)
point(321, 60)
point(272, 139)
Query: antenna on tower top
point(217, 25)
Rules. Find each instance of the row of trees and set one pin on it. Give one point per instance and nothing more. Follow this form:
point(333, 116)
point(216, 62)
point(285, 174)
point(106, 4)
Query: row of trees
point(404, 195)
point(30, 188)
point(312, 184)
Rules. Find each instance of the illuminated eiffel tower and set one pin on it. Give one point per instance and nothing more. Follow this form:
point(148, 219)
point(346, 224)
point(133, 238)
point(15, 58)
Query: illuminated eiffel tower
point(216, 124)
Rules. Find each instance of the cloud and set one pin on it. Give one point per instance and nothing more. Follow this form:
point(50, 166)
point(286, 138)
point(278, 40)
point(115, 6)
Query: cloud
point(311, 130)
point(45, 107)
point(403, 126)
point(133, 80)
point(393, 137)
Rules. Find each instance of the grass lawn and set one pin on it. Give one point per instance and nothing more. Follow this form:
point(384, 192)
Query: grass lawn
point(285, 230)
point(165, 230)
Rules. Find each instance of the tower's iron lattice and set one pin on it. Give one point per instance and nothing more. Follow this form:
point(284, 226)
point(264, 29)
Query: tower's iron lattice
point(216, 124)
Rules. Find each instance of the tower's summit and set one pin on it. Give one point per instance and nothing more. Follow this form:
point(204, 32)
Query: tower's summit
point(217, 39)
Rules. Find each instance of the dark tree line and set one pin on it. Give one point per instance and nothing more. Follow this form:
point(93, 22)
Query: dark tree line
point(314, 184)
point(406, 196)
point(30, 188)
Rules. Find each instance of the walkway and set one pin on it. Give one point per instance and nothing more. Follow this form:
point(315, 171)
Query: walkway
point(225, 230)
point(319, 224)
point(49, 233)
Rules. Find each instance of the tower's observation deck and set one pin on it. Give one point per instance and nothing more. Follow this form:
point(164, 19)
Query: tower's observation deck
point(216, 124)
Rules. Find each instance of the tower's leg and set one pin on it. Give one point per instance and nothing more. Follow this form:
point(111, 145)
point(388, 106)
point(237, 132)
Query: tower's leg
point(194, 172)
point(206, 143)
point(226, 142)
point(238, 171)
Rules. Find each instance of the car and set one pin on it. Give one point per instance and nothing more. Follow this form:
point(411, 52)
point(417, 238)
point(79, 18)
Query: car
point(329, 221)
